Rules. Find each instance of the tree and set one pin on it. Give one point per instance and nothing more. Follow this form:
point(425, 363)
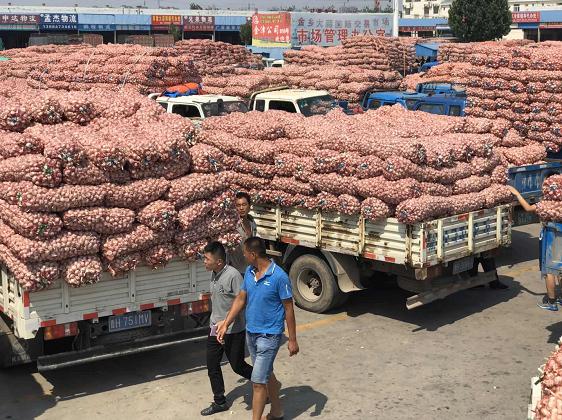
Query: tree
point(479, 20)
point(175, 31)
point(246, 33)
point(195, 6)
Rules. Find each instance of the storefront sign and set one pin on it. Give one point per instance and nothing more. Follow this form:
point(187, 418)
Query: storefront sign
point(328, 29)
point(271, 29)
point(163, 22)
point(96, 27)
point(63, 21)
point(19, 19)
point(417, 28)
point(199, 23)
point(526, 17)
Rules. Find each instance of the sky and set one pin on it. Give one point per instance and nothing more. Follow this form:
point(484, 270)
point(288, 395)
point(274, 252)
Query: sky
point(221, 4)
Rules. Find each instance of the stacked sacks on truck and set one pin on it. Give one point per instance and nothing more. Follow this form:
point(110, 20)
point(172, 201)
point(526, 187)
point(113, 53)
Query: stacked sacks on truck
point(101, 185)
point(516, 85)
point(389, 162)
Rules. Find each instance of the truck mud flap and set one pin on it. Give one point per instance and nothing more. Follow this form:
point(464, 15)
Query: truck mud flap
point(93, 354)
point(458, 283)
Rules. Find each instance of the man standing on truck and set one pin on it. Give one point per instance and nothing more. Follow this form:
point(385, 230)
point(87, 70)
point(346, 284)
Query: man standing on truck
point(246, 228)
point(267, 295)
point(225, 286)
point(550, 302)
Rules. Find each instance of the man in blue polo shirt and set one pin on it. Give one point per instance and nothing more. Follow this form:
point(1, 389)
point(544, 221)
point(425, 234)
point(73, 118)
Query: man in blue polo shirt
point(267, 295)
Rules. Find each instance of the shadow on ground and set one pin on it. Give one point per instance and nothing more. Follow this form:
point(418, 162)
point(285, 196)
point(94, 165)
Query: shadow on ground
point(295, 400)
point(391, 303)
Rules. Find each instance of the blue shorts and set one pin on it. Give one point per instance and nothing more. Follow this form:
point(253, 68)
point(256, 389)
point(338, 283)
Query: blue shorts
point(263, 349)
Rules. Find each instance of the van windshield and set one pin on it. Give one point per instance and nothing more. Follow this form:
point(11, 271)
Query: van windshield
point(317, 105)
point(215, 110)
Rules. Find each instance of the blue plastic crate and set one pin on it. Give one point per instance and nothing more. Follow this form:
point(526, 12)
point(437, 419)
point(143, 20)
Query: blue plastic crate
point(551, 252)
point(528, 179)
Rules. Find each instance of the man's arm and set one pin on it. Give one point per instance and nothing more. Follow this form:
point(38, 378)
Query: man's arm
point(291, 326)
point(526, 206)
point(236, 308)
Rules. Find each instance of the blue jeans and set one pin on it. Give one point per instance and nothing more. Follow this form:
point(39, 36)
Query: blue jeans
point(263, 349)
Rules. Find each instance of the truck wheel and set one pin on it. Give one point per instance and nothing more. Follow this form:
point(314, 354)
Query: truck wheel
point(314, 285)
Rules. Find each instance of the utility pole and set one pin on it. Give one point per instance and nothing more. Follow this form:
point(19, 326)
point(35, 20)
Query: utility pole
point(396, 16)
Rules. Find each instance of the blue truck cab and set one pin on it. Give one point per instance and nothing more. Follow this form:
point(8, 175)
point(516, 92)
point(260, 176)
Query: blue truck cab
point(433, 103)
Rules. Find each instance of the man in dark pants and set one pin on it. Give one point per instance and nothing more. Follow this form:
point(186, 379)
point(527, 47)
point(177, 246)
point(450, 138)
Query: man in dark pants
point(225, 286)
point(488, 264)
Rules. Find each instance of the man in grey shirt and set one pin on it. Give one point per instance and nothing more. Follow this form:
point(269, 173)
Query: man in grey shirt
point(246, 228)
point(225, 286)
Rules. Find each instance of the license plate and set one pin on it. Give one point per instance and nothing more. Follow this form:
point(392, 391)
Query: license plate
point(463, 265)
point(130, 321)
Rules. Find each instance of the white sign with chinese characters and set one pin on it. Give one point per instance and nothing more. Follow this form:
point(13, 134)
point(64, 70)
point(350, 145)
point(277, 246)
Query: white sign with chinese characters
point(59, 21)
point(328, 29)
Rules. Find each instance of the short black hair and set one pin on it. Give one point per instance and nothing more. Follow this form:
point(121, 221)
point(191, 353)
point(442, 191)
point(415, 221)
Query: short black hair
point(256, 245)
point(245, 195)
point(217, 249)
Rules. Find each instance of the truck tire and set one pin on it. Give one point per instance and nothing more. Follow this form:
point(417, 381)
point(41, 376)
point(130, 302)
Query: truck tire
point(315, 288)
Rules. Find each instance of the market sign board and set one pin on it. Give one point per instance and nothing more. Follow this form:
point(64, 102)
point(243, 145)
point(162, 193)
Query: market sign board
point(271, 29)
point(19, 19)
point(163, 22)
point(64, 21)
point(329, 29)
point(101, 27)
point(526, 17)
point(199, 23)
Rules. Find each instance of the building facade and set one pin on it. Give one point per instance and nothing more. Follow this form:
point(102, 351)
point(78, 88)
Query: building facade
point(416, 9)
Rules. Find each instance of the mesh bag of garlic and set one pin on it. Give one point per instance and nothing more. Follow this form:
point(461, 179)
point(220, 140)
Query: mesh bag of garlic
point(101, 180)
point(388, 162)
point(550, 208)
point(516, 84)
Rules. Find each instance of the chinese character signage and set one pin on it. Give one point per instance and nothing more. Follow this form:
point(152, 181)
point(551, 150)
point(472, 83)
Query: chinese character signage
point(64, 21)
point(328, 29)
point(526, 17)
point(19, 19)
point(271, 29)
point(101, 27)
point(163, 22)
point(199, 23)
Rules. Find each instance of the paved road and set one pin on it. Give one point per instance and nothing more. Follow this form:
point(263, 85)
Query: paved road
point(470, 356)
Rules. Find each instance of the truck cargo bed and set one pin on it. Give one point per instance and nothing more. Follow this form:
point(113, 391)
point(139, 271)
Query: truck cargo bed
point(419, 245)
point(141, 289)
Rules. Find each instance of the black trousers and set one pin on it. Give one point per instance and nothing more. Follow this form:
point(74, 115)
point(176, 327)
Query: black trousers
point(234, 347)
point(488, 264)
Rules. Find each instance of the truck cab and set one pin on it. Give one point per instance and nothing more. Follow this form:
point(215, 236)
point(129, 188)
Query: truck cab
point(199, 107)
point(440, 104)
point(296, 101)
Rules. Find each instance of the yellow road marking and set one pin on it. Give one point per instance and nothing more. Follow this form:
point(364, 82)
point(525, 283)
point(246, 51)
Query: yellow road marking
point(321, 322)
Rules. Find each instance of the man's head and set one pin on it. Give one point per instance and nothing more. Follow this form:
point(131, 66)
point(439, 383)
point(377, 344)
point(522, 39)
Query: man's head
point(254, 250)
point(243, 203)
point(214, 256)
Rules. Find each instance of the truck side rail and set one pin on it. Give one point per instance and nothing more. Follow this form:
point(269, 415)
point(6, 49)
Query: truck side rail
point(419, 245)
point(177, 283)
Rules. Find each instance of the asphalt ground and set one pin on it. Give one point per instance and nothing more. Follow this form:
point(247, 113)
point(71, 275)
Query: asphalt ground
point(470, 356)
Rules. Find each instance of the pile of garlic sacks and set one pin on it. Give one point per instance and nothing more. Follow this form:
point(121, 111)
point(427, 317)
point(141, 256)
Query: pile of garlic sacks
point(517, 84)
point(101, 180)
point(389, 162)
point(79, 67)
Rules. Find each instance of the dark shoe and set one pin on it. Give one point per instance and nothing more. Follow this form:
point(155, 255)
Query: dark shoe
point(498, 285)
point(545, 304)
point(214, 408)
